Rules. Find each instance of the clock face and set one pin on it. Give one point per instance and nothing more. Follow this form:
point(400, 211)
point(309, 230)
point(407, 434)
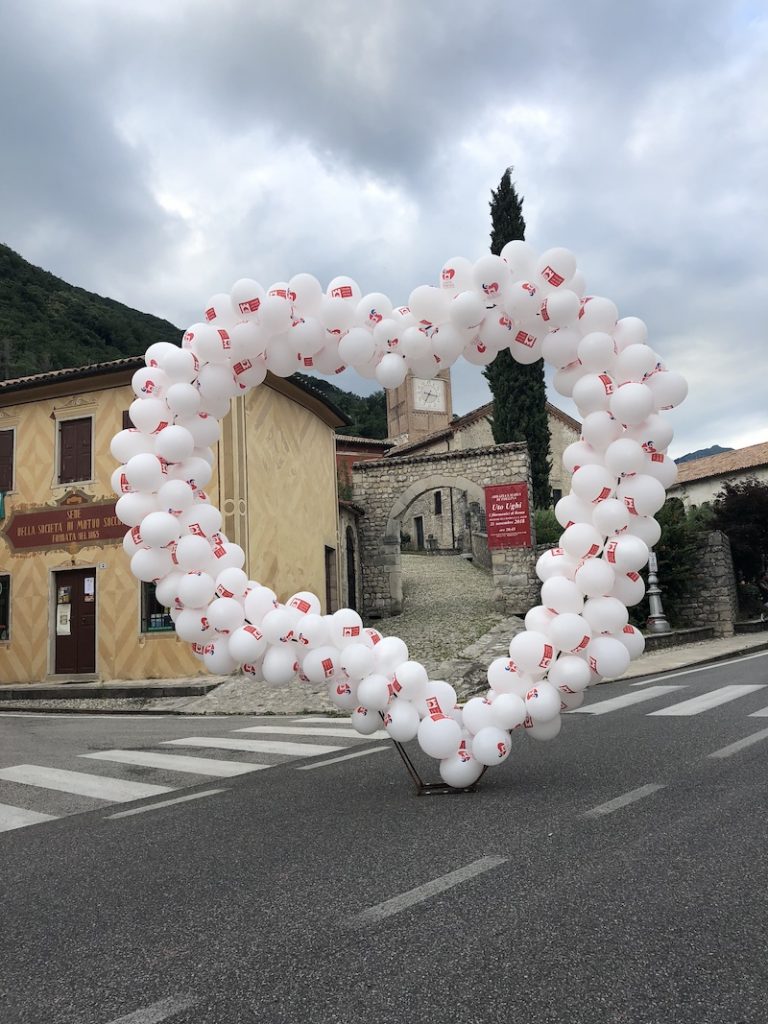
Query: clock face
point(429, 395)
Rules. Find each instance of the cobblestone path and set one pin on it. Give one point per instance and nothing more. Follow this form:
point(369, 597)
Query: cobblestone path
point(447, 605)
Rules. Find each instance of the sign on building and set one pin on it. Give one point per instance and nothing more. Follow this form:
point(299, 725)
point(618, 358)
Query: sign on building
point(507, 516)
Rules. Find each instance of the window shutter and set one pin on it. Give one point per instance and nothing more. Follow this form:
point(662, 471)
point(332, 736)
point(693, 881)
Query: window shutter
point(74, 450)
point(6, 460)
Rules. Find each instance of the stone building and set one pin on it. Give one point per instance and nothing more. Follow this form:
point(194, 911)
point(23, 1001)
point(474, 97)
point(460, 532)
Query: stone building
point(444, 520)
point(69, 606)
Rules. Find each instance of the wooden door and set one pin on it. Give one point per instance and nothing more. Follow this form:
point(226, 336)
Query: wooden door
point(75, 623)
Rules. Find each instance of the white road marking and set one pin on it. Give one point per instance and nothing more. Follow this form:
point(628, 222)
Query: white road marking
point(98, 786)
point(164, 803)
point(157, 1012)
point(622, 801)
point(762, 713)
point(255, 746)
point(20, 817)
point(734, 748)
point(178, 763)
point(706, 701)
point(327, 718)
point(335, 760)
point(700, 668)
point(290, 730)
point(625, 700)
point(372, 915)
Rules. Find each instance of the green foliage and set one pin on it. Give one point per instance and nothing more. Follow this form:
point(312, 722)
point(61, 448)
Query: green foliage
point(548, 530)
point(676, 554)
point(519, 392)
point(47, 324)
point(367, 412)
point(740, 510)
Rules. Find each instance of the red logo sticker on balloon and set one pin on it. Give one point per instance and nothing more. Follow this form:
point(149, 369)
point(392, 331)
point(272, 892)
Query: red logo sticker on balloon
point(249, 306)
point(344, 291)
point(434, 710)
point(552, 277)
point(523, 338)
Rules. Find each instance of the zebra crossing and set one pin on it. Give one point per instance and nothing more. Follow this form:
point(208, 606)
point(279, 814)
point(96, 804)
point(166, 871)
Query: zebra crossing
point(258, 747)
point(680, 709)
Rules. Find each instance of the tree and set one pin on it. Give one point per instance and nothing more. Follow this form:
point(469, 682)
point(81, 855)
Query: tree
point(676, 555)
point(740, 510)
point(519, 392)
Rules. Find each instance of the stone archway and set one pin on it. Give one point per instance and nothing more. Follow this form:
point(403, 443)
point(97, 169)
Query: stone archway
point(386, 488)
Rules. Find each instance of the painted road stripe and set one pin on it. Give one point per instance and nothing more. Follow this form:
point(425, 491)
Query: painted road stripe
point(98, 786)
point(762, 713)
point(423, 892)
point(289, 730)
point(625, 700)
point(705, 701)
point(622, 801)
point(734, 748)
point(178, 763)
point(20, 817)
point(327, 718)
point(157, 1012)
point(335, 760)
point(255, 746)
point(164, 803)
point(700, 668)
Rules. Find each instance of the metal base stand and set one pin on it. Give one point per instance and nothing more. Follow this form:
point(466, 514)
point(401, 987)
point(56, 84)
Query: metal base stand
point(430, 788)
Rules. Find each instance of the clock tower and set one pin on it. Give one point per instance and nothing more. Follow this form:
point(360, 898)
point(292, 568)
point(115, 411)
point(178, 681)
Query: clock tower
point(418, 407)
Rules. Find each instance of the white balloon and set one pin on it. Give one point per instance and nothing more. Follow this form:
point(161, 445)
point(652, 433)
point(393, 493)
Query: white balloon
point(439, 737)
point(401, 720)
point(491, 745)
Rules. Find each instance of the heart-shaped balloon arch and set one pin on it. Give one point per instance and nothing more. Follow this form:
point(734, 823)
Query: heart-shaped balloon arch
point(535, 306)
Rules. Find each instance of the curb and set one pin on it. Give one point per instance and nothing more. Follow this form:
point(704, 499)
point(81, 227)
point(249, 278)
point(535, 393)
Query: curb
point(711, 660)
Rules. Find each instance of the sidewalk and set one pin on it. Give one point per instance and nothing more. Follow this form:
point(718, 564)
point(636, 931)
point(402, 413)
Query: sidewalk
point(239, 696)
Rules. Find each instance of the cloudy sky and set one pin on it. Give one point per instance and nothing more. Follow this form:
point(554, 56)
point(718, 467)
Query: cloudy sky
point(157, 150)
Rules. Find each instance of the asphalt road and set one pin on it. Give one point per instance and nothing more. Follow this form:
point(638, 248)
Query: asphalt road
point(617, 874)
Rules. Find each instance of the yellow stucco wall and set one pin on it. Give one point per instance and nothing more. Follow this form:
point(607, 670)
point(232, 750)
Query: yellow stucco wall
point(277, 485)
point(292, 499)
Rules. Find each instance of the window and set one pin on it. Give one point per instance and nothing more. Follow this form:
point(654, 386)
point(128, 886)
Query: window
point(556, 494)
point(438, 503)
point(154, 618)
point(6, 460)
point(5, 607)
point(75, 450)
point(127, 423)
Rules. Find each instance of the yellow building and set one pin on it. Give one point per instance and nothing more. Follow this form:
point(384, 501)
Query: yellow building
point(69, 605)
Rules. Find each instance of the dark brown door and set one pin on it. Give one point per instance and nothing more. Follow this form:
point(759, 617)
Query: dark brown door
point(418, 522)
point(75, 625)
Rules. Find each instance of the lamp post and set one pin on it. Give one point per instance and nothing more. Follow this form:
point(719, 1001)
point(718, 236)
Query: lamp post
point(656, 622)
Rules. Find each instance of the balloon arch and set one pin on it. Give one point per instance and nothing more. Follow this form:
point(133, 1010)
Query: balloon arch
point(534, 306)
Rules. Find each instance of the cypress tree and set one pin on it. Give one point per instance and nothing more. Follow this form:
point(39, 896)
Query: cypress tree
point(519, 392)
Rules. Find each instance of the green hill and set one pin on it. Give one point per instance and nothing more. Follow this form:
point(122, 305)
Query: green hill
point(47, 324)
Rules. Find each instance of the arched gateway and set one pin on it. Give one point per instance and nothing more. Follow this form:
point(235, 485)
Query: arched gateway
point(386, 488)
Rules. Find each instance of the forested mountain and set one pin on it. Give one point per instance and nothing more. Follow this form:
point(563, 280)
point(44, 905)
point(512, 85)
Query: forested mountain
point(702, 453)
point(47, 324)
point(367, 412)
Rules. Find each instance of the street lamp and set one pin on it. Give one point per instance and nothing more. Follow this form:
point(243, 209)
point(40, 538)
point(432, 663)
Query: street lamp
point(656, 622)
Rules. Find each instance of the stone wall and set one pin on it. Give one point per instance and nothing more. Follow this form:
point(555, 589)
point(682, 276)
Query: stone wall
point(713, 599)
point(562, 432)
point(386, 489)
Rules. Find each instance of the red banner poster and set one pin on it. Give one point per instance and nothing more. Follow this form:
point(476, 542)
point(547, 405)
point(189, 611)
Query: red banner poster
point(507, 516)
